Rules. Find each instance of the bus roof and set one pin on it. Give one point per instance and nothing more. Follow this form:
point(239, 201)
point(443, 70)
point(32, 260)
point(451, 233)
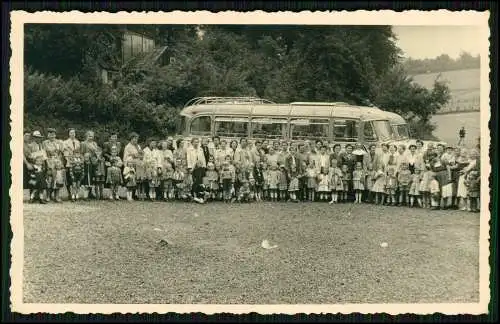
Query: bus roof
point(393, 117)
point(299, 109)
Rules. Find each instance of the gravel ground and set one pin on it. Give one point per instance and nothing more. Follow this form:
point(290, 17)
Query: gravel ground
point(111, 252)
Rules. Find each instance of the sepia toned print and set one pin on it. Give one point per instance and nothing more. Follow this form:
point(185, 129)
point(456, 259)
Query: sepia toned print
point(250, 162)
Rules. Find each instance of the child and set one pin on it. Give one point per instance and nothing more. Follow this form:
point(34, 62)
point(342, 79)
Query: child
point(170, 178)
point(114, 177)
point(391, 185)
point(414, 192)
point(346, 181)
point(258, 174)
point(59, 180)
point(293, 187)
point(378, 188)
point(87, 183)
point(199, 189)
point(187, 184)
point(99, 173)
point(273, 181)
point(140, 176)
point(462, 194)
point(311, 181)
point(423, 187)
point(265, 181)
point(435, 192)
point(404, 180)
point(226, 179)
point(323, 184)
point(336, 185)
point(243, 179)
point(473, 190)
point(49, 177)
point(369, 181)
point(283, 183)
point(357, 184)
point(150, 162)
point(37, 180)
point(76, 175)
point(212, 180)
point(129, 176)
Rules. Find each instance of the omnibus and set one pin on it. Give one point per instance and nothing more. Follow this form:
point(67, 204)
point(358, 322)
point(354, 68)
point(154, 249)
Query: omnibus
point(260, 119)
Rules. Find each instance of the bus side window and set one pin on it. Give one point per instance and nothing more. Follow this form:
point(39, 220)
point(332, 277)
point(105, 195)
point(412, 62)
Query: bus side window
point(346, 130)
point(201, 126)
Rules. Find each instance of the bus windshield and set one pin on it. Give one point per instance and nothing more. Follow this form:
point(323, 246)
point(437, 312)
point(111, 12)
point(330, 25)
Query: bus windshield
point(382, 129)
point(401, 131)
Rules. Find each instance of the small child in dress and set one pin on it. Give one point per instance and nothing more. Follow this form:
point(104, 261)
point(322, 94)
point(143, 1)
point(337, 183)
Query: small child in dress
point(114, 176)
point(424, 188)
point(265, 181)
point(76, 175)
point(59, 179)
point(99, 174)
point(414, 192)
point(379, 186)
point(169, 180)
point(227, 178)
point(187, 183)
point(130, 180)
point(391, 185)
point(293, 187)
point(323, 184)
point(244, 193)
point(311, 181)
point(435, 192)
point(273, 181)
point(473, 190)
point(346, 181)
point(369, 181)
point(336, 185)
point(358, 183)
point(212, 181)
point(283, 183)
point(404, 180)
point(37, 180)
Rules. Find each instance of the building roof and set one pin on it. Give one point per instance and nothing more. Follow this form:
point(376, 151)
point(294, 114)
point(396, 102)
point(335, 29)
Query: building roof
point(142, 60)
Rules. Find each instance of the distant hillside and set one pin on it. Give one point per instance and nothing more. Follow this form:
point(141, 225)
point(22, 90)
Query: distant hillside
point(464, 86)
point(442, 63)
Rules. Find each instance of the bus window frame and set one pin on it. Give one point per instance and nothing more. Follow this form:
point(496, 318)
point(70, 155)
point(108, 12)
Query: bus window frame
point(327, 122)
point(216, 119)
point(284, 133)
point(357, 122)
point(190, 124)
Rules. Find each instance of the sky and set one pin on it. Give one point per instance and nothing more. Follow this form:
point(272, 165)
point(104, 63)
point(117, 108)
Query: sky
point(419, 42)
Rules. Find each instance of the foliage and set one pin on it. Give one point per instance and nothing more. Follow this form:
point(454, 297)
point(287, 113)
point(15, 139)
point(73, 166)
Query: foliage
point(356, 64)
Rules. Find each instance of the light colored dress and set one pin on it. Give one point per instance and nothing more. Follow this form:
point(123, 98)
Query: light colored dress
point(323, 183)
point(379, 184)
point(336, 180)
point(415, 185)
point(424, 182)
point(357, 183)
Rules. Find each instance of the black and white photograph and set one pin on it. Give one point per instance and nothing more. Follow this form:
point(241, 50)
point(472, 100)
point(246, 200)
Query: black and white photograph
point(339, 162)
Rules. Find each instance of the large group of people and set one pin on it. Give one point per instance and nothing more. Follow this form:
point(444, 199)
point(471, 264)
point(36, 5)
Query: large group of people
point(213, 169)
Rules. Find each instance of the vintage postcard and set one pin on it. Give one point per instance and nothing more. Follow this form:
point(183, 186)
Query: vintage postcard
point(311, 162)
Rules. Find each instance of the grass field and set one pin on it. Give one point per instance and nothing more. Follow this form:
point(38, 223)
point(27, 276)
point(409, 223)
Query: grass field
point(112, 252)
point(448, 125)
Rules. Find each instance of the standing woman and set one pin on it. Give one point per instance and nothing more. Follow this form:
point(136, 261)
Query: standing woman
point(440, 170)
point(26, 165)
point(54, 151)
point(132, 150)
point(70, 145)
point(89, 147)
point(36, 163)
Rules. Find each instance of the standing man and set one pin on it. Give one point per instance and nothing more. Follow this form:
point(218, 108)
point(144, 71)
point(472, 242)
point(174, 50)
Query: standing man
point(194, 154)
point(70, 145)
point(461, 136)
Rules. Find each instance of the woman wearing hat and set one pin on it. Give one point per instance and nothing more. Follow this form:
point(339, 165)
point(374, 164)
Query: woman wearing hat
point(55, 154)
point(37, 165)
